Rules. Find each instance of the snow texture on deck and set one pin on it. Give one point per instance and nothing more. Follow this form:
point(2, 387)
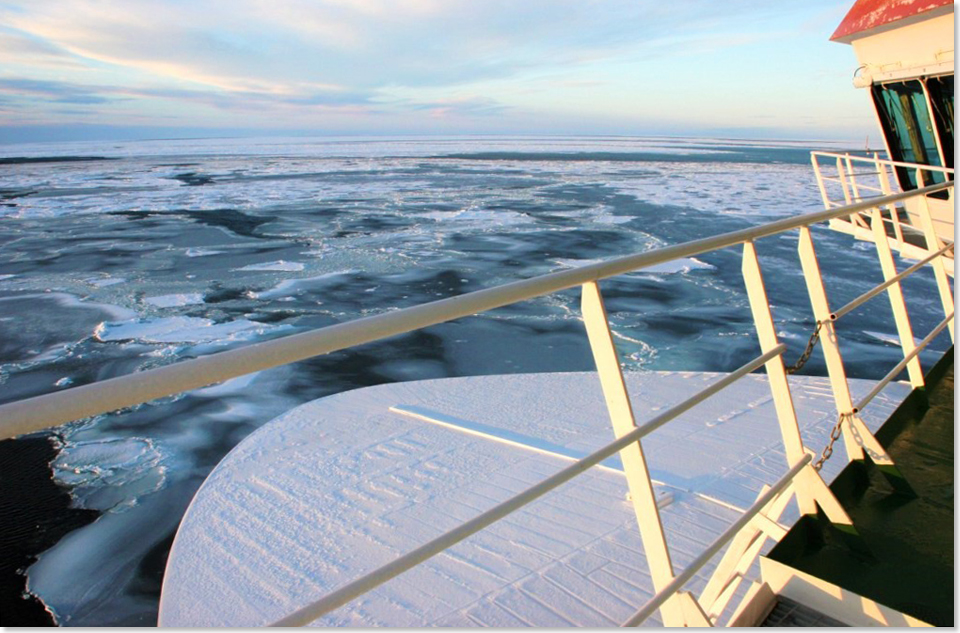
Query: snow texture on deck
point(341, 485)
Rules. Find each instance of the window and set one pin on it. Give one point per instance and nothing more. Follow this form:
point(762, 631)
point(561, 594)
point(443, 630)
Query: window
point(941, 98)
point(906, 122)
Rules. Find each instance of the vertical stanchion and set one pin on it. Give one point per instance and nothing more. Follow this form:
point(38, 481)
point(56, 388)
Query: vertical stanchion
point(885, 188)
point(857, 438)
point(810, 489)
point(841, 174)
point(634, 462)
point(823, 189)
point(897, 303)
point(939, 264)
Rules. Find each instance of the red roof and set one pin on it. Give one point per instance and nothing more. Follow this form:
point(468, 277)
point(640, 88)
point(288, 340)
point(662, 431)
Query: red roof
point(868, 15)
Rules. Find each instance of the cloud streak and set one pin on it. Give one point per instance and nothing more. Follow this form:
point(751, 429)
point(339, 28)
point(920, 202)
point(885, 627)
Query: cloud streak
point(381, 59)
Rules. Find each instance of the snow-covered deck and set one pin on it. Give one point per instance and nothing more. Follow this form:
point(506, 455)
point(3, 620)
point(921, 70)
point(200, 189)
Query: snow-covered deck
point(341, 485)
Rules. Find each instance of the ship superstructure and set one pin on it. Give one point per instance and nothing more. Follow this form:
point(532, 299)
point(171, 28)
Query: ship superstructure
point(905, 56)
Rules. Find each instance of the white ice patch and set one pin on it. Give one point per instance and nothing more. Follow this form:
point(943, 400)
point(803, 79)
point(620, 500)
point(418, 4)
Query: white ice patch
point(676, 266)
point(102, 282)
point(109, 475)
point(473, 215)
point(201, 252)
point(182, 329)
point(174, 300)
point(893, 339)
point(293, 286)
point(278, 265)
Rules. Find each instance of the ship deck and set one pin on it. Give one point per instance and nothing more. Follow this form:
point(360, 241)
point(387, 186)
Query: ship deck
point(344, 484)
point(909, 559)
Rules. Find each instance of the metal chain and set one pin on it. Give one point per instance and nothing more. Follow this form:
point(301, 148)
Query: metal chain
point(805, 356)
point(835, 433)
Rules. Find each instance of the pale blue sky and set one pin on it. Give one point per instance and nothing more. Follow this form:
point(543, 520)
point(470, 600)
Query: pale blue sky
point(166, 68)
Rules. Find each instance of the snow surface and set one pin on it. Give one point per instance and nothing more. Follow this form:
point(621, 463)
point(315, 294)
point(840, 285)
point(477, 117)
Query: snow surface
point(341, 485)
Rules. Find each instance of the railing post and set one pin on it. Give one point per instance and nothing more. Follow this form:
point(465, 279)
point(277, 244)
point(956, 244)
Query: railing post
point(853, 180)
point(857, 438)
point(939, 264)
point(884, 178)
point(842, 175)
point(850, 192)
point(823, 188)
point(809, 487)
point(743, 550)
point(634, 462)
point(897, 303)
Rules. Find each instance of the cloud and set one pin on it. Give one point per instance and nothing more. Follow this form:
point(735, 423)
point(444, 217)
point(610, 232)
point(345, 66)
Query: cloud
point(384, 59)
point(253, 45)
point(75, 93)
point(54, 91)
point(19, 48)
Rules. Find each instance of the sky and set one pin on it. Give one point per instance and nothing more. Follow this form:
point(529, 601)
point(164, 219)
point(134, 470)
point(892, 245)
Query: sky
point(122, 69)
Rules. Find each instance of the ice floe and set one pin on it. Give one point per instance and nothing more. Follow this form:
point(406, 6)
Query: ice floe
point(175, 300)
point(182, 329)
point(109, 475)
point(279, 265)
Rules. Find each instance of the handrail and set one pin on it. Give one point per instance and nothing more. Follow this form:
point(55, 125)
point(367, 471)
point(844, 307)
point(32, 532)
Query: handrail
point(870, 294)
point(902, 364)
point(40, 412)
point(657, 601)
point(894, 163)
point(369, 581)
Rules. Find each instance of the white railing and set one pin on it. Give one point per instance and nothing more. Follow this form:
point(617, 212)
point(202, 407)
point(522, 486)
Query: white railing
point(748, 533)
point(845, 179)
point(842, 178)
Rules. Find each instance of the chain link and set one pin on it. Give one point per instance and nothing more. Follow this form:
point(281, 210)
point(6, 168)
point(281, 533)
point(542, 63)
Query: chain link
point(805, 356)
point(835, 433)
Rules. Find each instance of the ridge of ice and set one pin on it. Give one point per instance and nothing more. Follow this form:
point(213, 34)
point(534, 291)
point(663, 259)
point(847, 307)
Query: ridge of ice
point(182, 329)
point(109, 475)
point(676, 266)
point(279, 265)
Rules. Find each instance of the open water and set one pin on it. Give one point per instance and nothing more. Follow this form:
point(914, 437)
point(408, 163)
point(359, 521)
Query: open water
point(168, 250)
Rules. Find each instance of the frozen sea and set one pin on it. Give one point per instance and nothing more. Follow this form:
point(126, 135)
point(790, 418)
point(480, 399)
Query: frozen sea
point(171, 249)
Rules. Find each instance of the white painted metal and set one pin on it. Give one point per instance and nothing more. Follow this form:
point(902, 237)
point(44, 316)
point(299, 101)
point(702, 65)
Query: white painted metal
point(766, 332)
point(870, 294)
point(881, 161)
point(940, 265)
point(634, 463)
point(840, 195)
point(810, 488)
point(886, 190)
point(899, 366)
point(856, 437)
point(358, 587)
point(647, 610)
point(740, 555)
point(34, 414)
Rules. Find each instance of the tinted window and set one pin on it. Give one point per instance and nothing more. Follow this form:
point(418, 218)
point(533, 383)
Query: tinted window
point(902, 107)
point(941, 97)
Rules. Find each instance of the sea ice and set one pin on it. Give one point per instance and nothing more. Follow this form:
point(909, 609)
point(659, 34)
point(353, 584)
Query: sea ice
point(174, 300)
point(109, 475)
point(181, 329)
point(201, 252)
point(278, 265)
point(102, 282)
point(676, 266)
